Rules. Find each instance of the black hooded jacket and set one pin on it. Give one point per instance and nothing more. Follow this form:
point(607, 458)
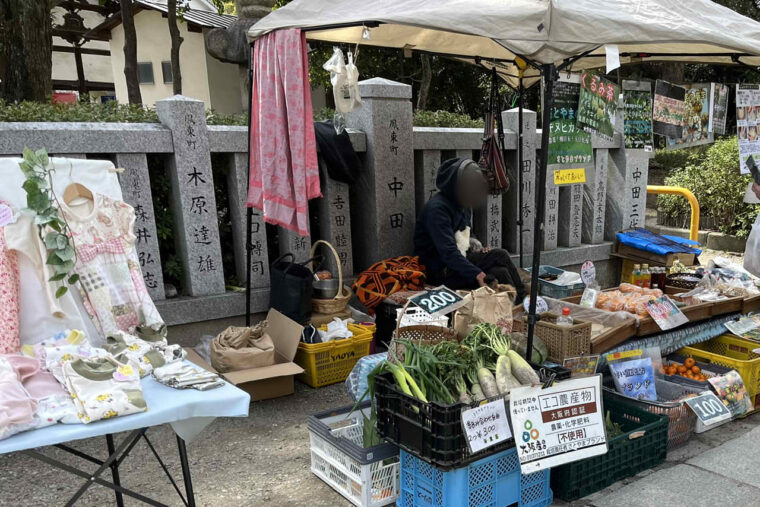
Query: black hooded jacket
point(441, 217)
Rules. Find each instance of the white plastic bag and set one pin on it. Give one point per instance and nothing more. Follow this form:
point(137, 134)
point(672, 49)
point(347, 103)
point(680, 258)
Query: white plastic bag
point(345, 81)
point(752, 251)
point(352, 83)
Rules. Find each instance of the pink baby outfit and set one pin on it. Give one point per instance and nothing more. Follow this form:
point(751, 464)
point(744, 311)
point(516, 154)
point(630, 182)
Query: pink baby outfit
point(9, 330)
point(113, 288)
point(17, 408)
point(284, 170)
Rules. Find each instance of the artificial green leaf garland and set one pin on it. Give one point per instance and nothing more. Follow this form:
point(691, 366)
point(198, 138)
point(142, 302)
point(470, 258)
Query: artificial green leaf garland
point(53, 230)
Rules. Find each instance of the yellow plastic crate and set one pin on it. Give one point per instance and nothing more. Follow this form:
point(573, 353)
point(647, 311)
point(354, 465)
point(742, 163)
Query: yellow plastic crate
point(735, 353)
point(331, 362)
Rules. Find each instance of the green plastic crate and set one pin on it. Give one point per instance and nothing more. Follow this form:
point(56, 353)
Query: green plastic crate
point(625, 457)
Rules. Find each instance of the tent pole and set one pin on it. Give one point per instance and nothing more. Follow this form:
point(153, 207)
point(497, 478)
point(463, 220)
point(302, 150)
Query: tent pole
point(520, 168)
point(547, 72)
point(248, 209)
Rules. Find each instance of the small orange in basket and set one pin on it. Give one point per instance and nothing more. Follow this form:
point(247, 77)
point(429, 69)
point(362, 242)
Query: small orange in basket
point(682, 369)
point(689, 363)
point(696, 369)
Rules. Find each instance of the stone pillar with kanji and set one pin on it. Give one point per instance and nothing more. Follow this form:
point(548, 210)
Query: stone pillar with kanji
point(512, 210)
point(193, 200)
point(383, 211)
point(626, 191)
point(135, 190)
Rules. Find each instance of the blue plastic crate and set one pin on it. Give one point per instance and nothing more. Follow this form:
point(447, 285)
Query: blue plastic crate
point(554, 290)
point(494, 481)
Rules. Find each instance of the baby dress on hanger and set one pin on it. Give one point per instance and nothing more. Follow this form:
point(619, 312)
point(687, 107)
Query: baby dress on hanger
point(112, 284)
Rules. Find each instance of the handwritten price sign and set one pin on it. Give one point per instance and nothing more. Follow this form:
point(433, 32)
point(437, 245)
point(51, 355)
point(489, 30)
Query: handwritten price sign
point(486, 425)
point(569, 176)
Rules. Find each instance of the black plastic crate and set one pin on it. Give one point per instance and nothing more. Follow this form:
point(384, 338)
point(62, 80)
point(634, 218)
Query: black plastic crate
point(643, 445)
point(430, 431)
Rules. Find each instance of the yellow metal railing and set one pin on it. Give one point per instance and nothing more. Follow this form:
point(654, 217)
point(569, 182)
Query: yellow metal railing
point(694, 228)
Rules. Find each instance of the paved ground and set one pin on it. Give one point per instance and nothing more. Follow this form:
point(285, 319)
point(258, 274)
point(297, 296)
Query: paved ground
point(264, 459)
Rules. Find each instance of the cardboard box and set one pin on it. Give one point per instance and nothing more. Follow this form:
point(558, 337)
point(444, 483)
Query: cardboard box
point(268, 381)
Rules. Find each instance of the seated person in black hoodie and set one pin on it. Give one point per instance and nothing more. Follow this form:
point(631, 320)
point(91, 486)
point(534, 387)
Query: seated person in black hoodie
point(442, 234)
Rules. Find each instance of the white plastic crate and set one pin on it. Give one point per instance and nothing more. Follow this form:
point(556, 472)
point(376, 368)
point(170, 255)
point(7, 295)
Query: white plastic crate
point(365, 484)
point(415, 316)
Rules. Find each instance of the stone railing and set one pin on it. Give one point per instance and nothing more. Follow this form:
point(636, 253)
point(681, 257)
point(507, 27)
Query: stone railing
point(369, 220)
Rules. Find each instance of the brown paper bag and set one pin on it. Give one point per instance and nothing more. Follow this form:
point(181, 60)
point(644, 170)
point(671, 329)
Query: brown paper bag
point(241, 348)
point(485, 305)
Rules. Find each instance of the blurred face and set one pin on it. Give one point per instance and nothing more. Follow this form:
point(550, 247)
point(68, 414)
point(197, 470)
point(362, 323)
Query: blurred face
point(472, 187)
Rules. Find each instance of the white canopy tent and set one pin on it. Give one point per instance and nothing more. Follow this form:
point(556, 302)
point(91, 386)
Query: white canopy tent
point(538, 37)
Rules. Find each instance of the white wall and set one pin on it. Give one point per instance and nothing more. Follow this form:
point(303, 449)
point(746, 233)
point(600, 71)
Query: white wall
point(154, 45)
point(96, 67)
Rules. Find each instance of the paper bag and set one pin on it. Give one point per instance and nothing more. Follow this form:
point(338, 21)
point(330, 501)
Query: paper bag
point(242, 348)
point(485, 305)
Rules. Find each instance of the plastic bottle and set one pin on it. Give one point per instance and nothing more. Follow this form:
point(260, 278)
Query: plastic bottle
point(636, 275)
point(646, 277)
point(565, 319)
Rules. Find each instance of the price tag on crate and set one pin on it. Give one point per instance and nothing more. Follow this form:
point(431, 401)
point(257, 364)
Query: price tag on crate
point(439, 301)
point(588, 273)
point(665, 312)
point(709, 408)
point(486, 425)
point(558, 425)
point(541, 305)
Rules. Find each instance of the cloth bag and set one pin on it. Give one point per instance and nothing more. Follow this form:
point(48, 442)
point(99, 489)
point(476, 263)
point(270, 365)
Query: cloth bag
point(241, 348)
point(752, 250)
point(485, 305)
point(291, 288)
point(492, 152)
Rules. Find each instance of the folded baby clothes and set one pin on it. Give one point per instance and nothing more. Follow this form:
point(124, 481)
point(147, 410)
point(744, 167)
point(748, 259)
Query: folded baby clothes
point(181, 375)
point(103, 388)
point(53, 403)
point(17, 408)
point(146, 354)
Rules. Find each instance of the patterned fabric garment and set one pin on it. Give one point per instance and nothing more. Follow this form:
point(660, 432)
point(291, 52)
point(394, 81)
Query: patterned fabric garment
point(147, 355)
point(9, 330)
point(387, 277)
point(284, 170)
point(111, 281)
point(103, 388)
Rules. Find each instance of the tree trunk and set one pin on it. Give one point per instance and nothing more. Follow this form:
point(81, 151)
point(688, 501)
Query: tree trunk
point(26, 48)
point(130, 53)
point(427, 78)
point(176, 43)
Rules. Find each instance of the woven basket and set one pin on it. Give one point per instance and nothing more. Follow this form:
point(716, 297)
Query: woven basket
point(677, 280)
point(423, 334)
point(340, 301)
point(561, 341)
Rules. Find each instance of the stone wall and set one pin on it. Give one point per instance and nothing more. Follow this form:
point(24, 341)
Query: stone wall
point(367, 221)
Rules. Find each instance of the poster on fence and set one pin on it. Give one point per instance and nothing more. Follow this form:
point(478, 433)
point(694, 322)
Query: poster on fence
point(598, 105)
point(567, 143)
point(718, 108)
point(668, 109)
point(747, 112)
point(696, 118)
point(637, 114)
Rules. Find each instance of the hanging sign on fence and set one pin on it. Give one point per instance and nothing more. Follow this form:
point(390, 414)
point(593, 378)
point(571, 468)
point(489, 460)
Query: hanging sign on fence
point(708, 408)
point(439, 301)
point(569, 176)
point(558, 425)
point(486, 425)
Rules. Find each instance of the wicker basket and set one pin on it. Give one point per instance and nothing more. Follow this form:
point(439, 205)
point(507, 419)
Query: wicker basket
point(340, 301)
point(677, 280)
point(561, 341)
point(422, 334)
